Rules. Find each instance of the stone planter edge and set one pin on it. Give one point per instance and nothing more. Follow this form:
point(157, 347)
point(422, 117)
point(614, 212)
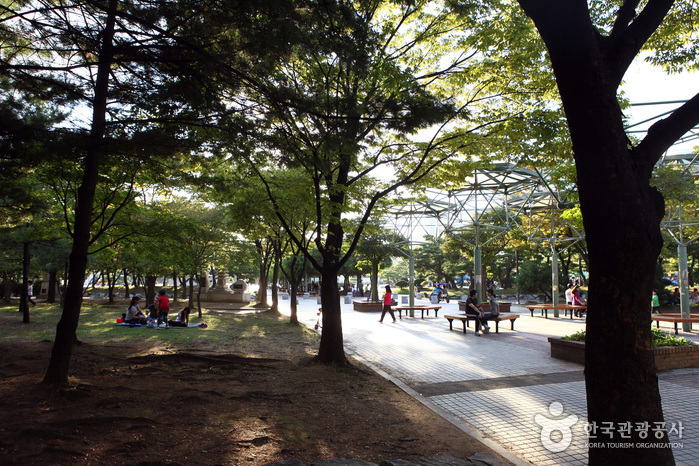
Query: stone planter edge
point(666, 357)
point(367, 306)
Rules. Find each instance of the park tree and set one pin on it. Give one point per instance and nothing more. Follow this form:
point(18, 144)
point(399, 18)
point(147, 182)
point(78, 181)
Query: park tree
point(66, 48)
point(244, 199)
point(25, 143)
point(31, 221)
point(397, 271)
point(590, 46)
point(433, 261)
point(340, 108)
point(590, 54)
point(376, 247)
point(102, 57)
point(194, 234)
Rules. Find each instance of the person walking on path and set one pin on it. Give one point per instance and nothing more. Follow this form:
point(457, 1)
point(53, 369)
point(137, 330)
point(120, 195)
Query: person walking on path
point(655, 303)
point(162, 305)
point(387, 301)
point(473, 310)
point(30, 292)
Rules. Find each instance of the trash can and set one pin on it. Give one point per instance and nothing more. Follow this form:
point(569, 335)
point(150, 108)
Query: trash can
point(434, 299)
point(348, 299)
point(404, 300)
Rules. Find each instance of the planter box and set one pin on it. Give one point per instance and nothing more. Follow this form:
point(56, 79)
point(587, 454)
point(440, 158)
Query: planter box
point(368, 306)
point(571, 351)
point(666, 357)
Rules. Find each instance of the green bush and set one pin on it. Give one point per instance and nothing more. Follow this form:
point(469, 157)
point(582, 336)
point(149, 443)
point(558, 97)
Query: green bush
point(402, 284)
point(660, 338)
point(577, 336)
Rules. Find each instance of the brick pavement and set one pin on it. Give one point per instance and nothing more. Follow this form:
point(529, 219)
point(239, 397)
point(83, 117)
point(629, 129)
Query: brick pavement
point(497, 386)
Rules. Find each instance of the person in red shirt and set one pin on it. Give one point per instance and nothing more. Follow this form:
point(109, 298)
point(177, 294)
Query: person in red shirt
point(387, 301)
point(162, 305)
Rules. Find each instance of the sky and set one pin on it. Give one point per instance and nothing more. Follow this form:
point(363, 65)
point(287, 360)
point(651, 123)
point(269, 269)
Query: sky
point(645, 84)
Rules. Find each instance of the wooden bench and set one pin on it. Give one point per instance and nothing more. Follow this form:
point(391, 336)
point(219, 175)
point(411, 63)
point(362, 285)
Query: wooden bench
point(422, 310)
point(544, 308)
point(465, 319)
point(673, 318)
point(485, 307)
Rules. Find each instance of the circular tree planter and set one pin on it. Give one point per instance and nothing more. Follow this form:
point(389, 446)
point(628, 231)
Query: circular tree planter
point(666, 357)
point(368, 306)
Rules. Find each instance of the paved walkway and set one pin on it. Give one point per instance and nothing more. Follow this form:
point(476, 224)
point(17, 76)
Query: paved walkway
point(497, 386)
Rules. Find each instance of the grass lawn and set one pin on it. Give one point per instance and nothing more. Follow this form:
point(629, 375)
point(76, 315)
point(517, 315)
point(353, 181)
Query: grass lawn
point(248, 333)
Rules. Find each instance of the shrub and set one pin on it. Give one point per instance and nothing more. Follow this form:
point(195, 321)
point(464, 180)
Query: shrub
point(402, 284)
point(659, 337)
point(577, 336)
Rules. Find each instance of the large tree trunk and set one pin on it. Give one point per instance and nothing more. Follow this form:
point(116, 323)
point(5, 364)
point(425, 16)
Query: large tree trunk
point(620, 373)
point(126, 283)
point(57, 372)
point(7, 288)
point(51, 290)
point(111, 285)
point(275, 288)
point(331, 348)
point(262, 290)
point(24, 299)
point(174, 286)
point(190, 302)
point(293, 301)
point(294, 278)
point(374, 280)
point(150, 289)
point(621, 214)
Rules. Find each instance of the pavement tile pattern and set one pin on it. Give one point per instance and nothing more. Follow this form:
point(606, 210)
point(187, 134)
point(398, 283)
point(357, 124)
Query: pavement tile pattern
point(503, 387)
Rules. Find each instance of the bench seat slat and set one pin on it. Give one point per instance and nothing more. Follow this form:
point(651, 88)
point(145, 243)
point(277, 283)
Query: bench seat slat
point(465, 318)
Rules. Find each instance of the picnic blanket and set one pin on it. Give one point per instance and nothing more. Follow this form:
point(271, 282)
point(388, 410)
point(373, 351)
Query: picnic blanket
point(191, 325)
point(202, 325)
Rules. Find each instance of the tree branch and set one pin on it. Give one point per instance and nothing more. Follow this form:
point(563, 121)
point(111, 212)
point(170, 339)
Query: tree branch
point(626, 42)
point(665, 133)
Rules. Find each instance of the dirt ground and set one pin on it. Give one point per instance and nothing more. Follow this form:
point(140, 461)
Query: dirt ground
point(132, 404)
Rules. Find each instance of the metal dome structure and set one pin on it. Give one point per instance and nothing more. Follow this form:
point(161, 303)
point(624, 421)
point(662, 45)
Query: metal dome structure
point(492, 199)
point(542, 223)
point(476, 213)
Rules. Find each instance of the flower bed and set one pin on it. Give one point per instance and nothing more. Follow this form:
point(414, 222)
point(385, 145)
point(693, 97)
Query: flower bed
point(681, 355)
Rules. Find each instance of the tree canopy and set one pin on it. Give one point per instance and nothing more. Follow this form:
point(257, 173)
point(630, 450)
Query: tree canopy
point(291, 123)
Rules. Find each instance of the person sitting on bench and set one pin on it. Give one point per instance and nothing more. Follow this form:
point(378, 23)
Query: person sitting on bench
point(578, 301)
point(494, 307)
point(473, 310)
point(182, 319)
